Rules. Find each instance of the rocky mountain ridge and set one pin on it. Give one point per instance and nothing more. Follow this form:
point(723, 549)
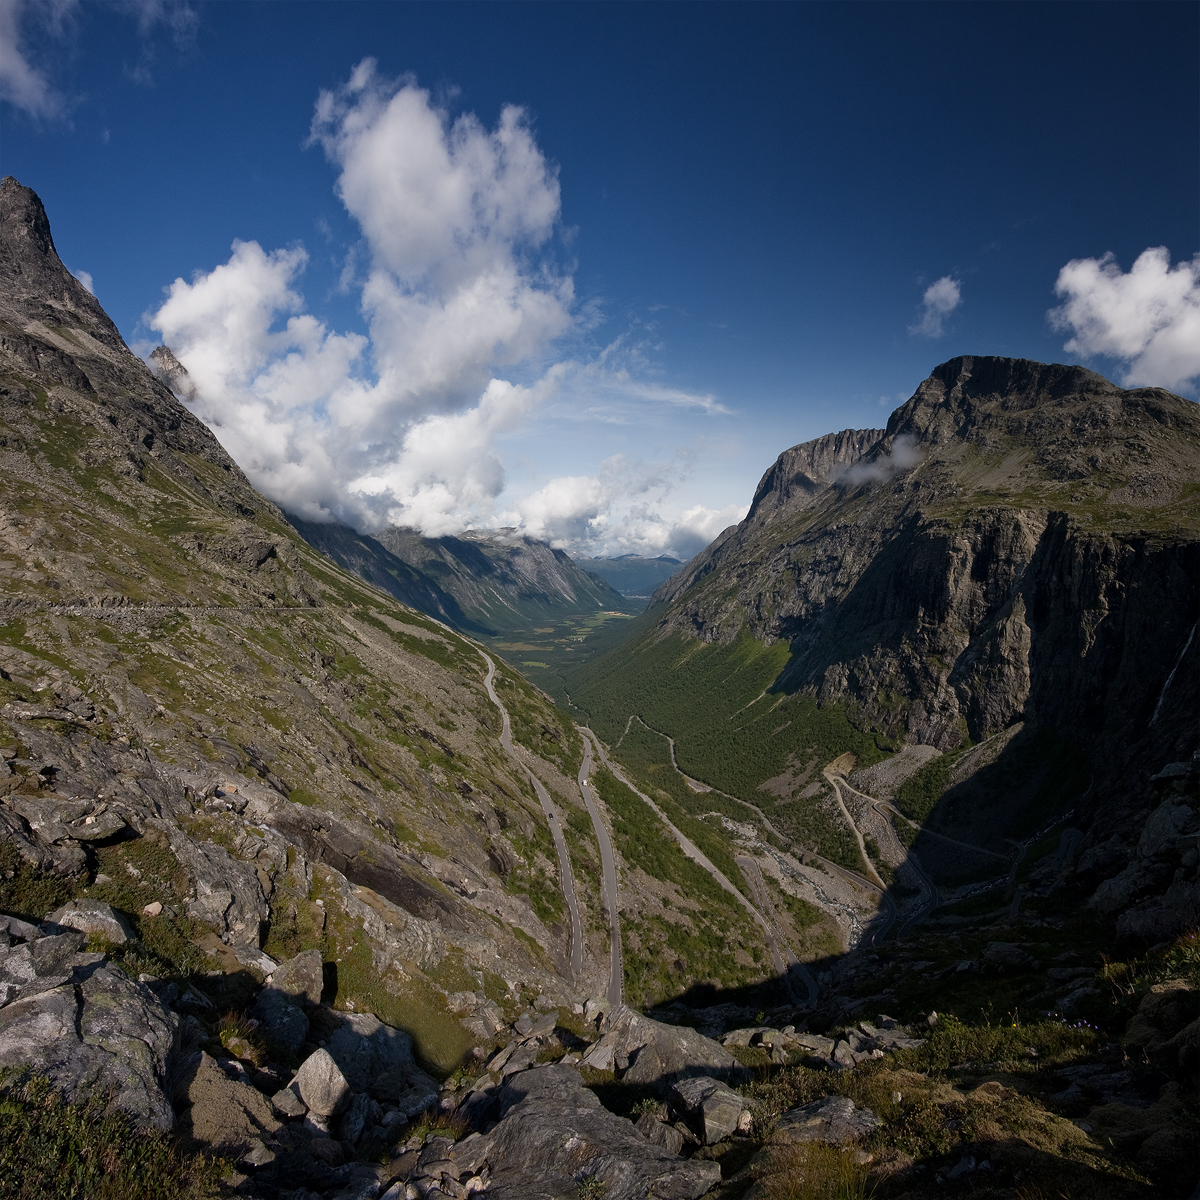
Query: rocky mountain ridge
point(483, 583)
point(1017, 549)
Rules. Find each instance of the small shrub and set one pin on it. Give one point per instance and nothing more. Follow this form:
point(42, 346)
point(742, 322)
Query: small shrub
point(435, 1123)
point(240, 1037)
point(591, 1188)
point(28, 893)
point(655, 1107)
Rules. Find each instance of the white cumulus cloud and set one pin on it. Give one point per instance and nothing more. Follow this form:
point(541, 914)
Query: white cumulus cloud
point(458, 287)
point(940, 300)
point(398, 427)
point(1148, 317)
point(621, 510)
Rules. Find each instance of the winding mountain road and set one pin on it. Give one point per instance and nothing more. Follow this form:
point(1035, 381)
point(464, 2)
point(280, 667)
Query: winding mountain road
point(929, 891)
point(785, 969)
point(616, 964)
point(552, 818)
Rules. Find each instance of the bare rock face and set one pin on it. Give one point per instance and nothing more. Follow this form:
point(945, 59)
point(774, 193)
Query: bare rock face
point(364, 1048)
point(299, 978)
point(715, 1110)
point(654, 1052)
point(834, 1119)
point(172, 372)
point(85, 1025)
point(95, 918)
point(226, 890)
point(554, 1134)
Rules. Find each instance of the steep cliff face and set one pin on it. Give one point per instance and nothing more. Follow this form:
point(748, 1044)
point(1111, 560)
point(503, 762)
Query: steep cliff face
point(1013, 562)
point(1020, 541)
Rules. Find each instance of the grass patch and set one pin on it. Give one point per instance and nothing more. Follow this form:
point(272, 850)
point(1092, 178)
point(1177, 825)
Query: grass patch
point(80, 1152)
point(814, 1171)
point(28, 893)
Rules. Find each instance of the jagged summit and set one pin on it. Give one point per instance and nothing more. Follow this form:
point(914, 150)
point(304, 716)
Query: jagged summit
point(33, 280)
point(172, 372)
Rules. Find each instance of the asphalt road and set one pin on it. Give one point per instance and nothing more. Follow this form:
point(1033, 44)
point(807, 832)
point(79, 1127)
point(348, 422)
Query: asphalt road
point(552, 819)
point(692, 851)
point(930, 898)
point(791, 969)
point(616, 967)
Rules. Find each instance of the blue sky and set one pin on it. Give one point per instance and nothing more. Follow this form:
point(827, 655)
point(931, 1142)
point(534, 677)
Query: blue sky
point(587, 269)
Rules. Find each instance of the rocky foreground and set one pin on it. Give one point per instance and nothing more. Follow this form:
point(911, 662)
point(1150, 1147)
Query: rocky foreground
point(299, 1100)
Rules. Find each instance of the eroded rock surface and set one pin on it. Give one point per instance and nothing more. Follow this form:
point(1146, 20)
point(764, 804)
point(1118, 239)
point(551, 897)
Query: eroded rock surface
point(553, 1133)
point(85, 1025)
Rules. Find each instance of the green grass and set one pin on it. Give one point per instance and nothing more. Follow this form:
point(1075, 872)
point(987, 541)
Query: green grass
point(80, 1152)
point(731, 730)
point(28, 893)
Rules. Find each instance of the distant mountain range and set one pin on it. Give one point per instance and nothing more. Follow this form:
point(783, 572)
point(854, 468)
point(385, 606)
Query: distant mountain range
point(481, 583)
point(633, 575)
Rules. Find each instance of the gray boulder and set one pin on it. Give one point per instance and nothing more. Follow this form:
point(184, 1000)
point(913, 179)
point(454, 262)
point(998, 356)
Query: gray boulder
point(833, 1119)
point(299, 979)
point(715, 1111)
point(63, 859)
point(321, 1085)
point(354, 1120)
point(364, 1048)
point(285, 1025)
point(86, 1026)
point(55, 819)
point(659, 1132)
point(680, 1051)
point(226, 892)
point(94, 918)
point(553, 1134)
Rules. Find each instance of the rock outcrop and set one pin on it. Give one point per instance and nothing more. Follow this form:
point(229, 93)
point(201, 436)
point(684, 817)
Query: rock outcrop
point(84, 1024)
point(651, 1052)
point(553, 1134)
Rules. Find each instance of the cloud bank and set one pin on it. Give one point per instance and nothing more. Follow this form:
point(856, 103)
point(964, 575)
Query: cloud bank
point(574, 512)
point(1149, 318)
point(457, 285)
point(398, 427)
point(940, 300)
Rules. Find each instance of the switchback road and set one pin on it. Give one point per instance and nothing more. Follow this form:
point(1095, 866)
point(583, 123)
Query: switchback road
point(552, 818)
point(692, 851)
point(608, 866)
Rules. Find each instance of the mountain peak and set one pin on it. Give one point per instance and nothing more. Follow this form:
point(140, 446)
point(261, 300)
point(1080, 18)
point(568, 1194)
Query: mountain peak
point(34, 283)
point(22, 209)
